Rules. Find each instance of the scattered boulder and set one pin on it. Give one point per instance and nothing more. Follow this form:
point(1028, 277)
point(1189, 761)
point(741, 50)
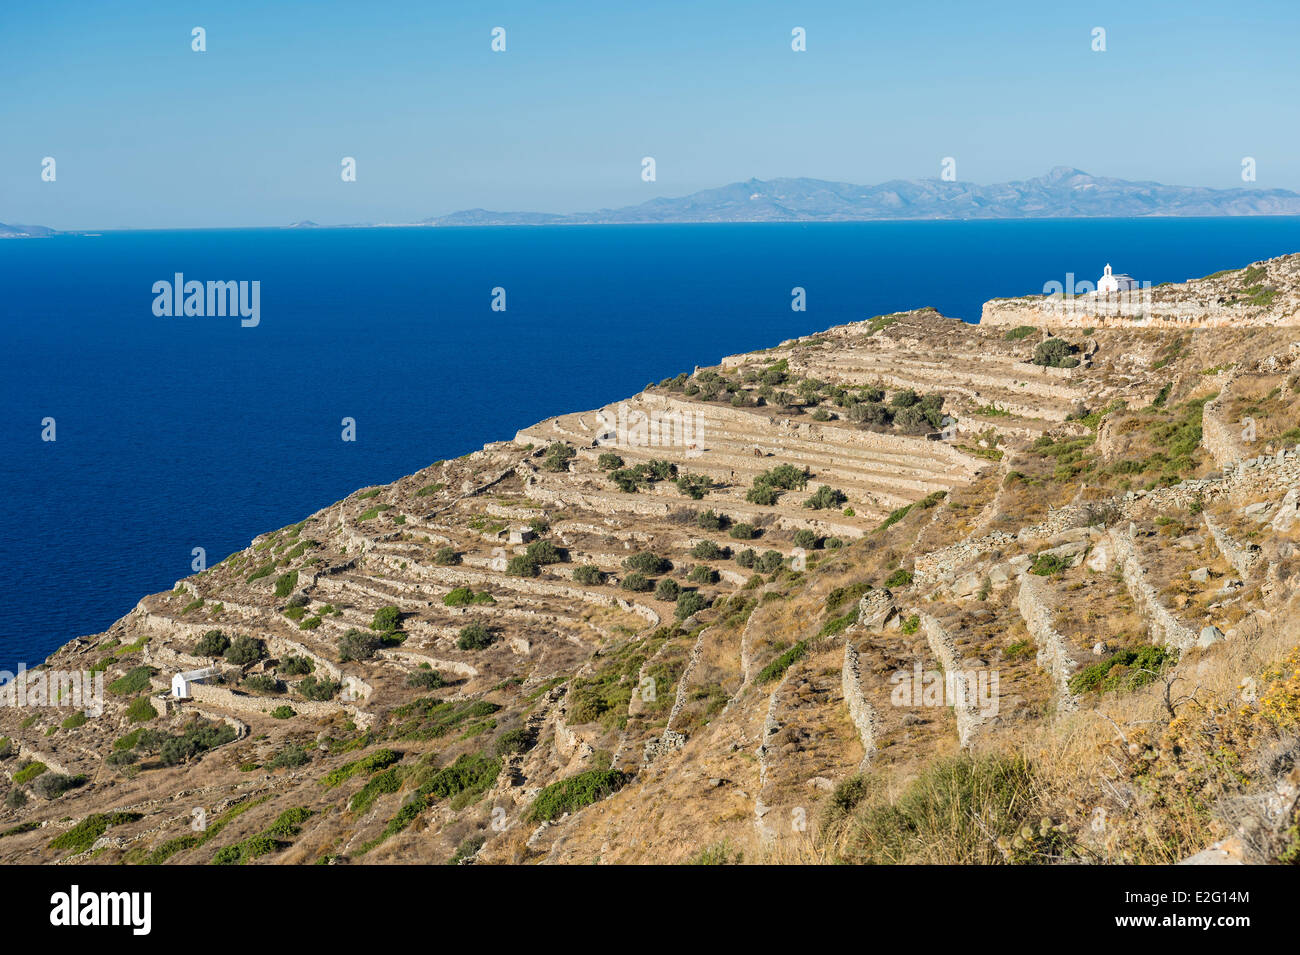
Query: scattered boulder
point(1200, 575)
point(1286, 514)
point(876, 608)
point(1209, 636)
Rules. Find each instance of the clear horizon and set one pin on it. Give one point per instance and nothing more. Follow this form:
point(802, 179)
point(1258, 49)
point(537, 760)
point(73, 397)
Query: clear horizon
point(147, 133)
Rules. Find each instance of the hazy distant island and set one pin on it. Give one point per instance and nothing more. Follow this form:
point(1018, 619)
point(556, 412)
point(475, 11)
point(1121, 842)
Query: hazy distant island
point(1064, 192)
point(23, 231)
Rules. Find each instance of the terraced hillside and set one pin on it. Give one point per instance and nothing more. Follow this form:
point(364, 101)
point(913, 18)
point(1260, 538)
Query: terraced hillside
point(892, 592)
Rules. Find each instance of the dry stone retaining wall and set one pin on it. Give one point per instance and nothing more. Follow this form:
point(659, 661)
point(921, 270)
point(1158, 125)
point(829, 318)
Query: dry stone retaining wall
point(861, 712)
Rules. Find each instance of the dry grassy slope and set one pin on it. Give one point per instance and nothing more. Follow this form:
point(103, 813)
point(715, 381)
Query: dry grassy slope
point(729, 752)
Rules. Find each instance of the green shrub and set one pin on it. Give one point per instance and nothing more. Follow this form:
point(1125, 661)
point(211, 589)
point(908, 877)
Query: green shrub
point(464, 596)
point(899, 578)
point(1055, 353)
point(76, 719)
point(572, 794)
point(380, 784)
point(358, 645)
point(667, 589)
point(806, 539)
point(1124, 670)
point(379, 759)
point(513, 741)
point(557, 457)
point(245, 650)
point(262, 683)
point(283, 712)
point(197, 738)
point(425, 680)
point(386, 619)
point(85, 833)
point(589, 575)
point(290, 757)
point(743, 531)
point(474, 636)
point(609, 461)
point(446, 557)
point(636, 582)
point(689, 602)
point(1020, 332)
point(708, 550)
point(1045, 565)
point(648, 563)
point(318, 690)
point(264, 571)
point(543, 552)
point(702, 574)
point(694, 486)
point(521, 565)
point(296, 666)
point(212, 644)
point(54, 785)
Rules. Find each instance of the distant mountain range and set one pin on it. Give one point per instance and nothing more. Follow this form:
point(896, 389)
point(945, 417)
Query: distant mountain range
point(1063, 192)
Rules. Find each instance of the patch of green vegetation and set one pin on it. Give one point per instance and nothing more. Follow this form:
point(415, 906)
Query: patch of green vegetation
point(380, 784)
point(927, 502)
point(464, 597)
point(1045, 565)
point(899, 578)
point(776, 669)
point(285, 583)
point(264, 571)
point(431, 718)
point(1124, 670)
point(1019, 650)
point(83, 835)
point(1019, 333)
point(719, 853)
point(28, 771)
point(963, 809)
point(574, 793)
point(141, 710)
point(380, 759)
point(135, 681)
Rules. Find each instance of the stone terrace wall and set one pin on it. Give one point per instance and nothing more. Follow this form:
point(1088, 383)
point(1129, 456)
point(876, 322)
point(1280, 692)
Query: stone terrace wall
point(860, 711)
point(228, 700)
point(1121, 312)
point(1164, 626)
point(1053, 654)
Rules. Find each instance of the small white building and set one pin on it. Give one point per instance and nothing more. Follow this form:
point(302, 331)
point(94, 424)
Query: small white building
point(1115, 283)
point(181, 682)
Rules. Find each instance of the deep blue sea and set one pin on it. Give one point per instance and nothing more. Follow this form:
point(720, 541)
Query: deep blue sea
point(175, 432)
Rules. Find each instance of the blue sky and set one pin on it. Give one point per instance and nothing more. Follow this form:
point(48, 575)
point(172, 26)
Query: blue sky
point(148, 134)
